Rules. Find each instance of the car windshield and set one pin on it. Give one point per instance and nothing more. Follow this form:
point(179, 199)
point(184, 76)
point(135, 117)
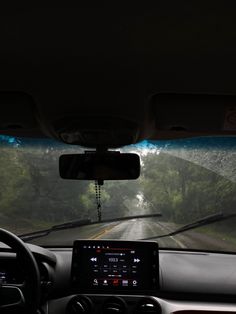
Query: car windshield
point(183, 180)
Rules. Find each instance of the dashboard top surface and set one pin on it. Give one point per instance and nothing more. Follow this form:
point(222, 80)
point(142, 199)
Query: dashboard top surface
point(185, 275)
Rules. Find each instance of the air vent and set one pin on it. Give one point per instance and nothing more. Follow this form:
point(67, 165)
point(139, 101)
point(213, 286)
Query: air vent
point(148, 306)
point(79, 305)
point(114, 305)
point(45, 279)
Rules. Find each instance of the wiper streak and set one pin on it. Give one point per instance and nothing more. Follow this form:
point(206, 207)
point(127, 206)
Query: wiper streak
point(196, 224)
point(79, 223)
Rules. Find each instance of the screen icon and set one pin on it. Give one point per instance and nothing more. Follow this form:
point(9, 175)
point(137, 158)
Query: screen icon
point(95, 270)
point(125, 283)
point(115, 282)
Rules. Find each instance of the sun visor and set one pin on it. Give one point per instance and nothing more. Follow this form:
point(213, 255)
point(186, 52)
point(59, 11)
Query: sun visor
point(17, 116)
point(182, 115)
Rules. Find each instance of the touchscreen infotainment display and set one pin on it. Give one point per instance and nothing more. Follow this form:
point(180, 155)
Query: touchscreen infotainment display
point(115, 266)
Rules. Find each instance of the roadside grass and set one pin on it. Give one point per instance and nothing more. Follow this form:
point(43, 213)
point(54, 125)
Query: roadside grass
point(219, 233)
point(21, 226)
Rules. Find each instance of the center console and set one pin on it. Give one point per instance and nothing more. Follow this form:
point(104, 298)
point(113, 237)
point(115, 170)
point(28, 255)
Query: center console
point(114, 276)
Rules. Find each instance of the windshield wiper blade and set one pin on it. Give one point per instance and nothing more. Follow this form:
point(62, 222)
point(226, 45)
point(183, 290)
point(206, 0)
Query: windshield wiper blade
point(79, 223)
point(196, 224)
point(45, 232)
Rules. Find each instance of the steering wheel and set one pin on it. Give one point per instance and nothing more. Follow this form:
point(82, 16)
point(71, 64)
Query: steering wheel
point(24, 299)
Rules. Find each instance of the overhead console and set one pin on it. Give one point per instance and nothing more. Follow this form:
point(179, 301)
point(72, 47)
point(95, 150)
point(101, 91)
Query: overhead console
point(105, 125)
point(115, 267)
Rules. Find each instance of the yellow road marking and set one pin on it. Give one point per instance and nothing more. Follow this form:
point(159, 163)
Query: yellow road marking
point(101, 233)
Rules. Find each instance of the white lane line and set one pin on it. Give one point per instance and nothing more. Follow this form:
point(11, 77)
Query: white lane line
point(178, 242)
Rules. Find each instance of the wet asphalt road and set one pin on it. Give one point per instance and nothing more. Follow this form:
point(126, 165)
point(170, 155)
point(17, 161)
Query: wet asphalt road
point(134, 229)
point(137, 229)
point(144, 228)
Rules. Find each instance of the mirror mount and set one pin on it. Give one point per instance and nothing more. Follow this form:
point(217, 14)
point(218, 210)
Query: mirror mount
point(100, 182)
point(100, 150)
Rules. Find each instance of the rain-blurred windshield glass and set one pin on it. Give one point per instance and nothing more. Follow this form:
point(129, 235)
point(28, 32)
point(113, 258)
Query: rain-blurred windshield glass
point(183, 180)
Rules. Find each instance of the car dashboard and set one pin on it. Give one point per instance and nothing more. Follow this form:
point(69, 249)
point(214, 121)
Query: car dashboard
point(127, 277)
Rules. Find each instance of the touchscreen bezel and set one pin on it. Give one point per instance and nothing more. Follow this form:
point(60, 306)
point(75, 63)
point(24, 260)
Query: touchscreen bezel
point(150, 247)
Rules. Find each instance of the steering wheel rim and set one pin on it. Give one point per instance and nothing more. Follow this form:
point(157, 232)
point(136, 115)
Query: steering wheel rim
point(22, 250)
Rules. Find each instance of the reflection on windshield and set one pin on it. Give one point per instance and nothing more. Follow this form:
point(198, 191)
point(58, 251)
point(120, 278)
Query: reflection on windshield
point(184, 180)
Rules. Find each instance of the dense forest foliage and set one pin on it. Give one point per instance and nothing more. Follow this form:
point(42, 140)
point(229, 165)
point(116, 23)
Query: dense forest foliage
point(183, 186)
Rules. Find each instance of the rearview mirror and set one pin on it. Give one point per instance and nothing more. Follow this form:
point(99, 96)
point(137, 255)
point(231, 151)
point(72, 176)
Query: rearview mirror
point(100, 166)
